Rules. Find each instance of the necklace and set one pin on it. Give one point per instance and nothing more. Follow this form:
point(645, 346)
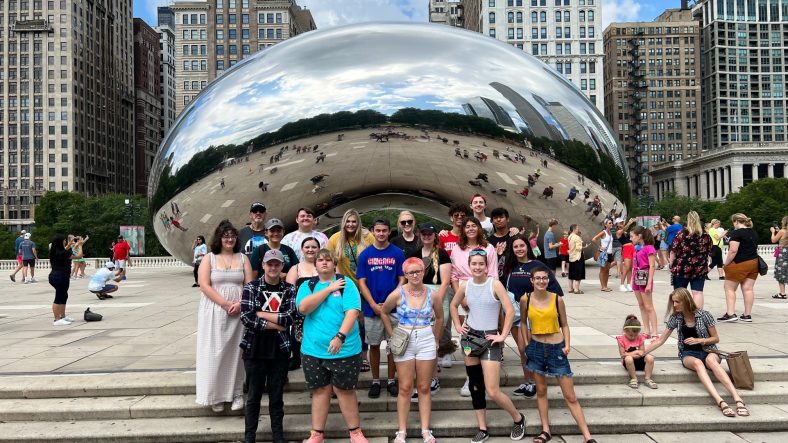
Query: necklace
point(420, 293)
point(223, 262)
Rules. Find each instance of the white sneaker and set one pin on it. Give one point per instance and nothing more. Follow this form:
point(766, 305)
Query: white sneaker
point(64, 322)
point(68, 319)
point(465, 391)
point(238, 403)
point(218, 407)
point(33, 280)
point(622, 288)
point(446, 361)
point(629, 288)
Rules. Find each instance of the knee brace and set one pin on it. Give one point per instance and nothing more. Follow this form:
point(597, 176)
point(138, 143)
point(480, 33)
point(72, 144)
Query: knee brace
point(476, 386)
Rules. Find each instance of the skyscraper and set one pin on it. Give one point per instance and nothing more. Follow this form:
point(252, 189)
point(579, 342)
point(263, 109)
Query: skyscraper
point(147, 102)
point(214, 35)
point(447, 12)
point(66, 101)
point(652, 90)
point(166, 30)
point(565, 34)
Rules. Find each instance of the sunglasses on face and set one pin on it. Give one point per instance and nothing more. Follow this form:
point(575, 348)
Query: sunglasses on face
point(258, 211)
point(480, 252)
point(406, 222)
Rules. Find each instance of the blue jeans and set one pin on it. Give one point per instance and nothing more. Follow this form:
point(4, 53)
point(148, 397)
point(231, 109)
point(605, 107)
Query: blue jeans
point(547, 359)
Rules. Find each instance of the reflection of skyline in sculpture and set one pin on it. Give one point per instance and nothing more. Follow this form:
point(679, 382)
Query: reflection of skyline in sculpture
point(489, 109)
point(536, 122)
point(570, 124)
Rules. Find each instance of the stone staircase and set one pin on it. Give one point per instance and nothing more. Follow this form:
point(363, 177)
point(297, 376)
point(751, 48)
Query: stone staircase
point(159, 406)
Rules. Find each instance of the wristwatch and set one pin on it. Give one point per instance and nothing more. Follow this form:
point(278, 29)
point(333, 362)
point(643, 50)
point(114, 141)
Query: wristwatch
point(341, 336)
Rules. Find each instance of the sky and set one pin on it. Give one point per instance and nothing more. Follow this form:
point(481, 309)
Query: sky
point(328, 13)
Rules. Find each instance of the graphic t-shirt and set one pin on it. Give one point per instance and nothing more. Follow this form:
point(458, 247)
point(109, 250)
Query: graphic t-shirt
point(381, 268)
point(322, 324)
point(495, 240)
point(294, 240)
point(265, 344)
point(448, 242)
point(250, 240)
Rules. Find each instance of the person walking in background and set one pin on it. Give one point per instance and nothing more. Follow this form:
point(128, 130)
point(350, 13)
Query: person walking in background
point(19, 266)
point(27, 249)
point(267, 311)
point(577, 263)
point(200, 249)
point(122, 257)
point(741, 268)
point(689, 258)
point(222, 276)
point(717, 235)
point(780, 236)
point(627, 253)
point(604, 240)
point(60, 263)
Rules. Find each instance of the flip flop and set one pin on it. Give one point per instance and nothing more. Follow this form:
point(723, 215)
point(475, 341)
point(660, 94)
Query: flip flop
point(780, 296)
point(607, 290)
point(544, 437)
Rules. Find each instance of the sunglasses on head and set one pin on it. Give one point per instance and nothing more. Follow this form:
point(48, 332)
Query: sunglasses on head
point(406, 222)
point(481, 252)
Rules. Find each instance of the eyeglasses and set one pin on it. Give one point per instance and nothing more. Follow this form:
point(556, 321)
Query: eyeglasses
point(406, 222)
point(541, 278)
point(414, 273)
point(229, 237)
point(481, 252)
point(257, 211)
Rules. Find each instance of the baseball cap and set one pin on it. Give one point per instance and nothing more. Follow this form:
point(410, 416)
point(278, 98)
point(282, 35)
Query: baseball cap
point(381, 221)
point(618, 220)
point(256, 206)
point(24, 232)
point(274, 222)
point(273, 254)
point(428, 227)
point(27, 235)
point(109, 265)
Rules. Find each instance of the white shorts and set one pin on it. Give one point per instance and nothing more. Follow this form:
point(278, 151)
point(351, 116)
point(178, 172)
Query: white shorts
point(120, 264)
point(420, 347)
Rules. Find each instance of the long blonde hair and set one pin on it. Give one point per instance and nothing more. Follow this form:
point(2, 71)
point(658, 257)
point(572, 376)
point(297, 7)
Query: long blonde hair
point(693, 223)
point(358, 237)
point(686, 299)
point(741, 218)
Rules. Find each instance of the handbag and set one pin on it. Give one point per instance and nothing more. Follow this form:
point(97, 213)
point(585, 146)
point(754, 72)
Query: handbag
point(763, 268)
point(602, 258)
point(641, 275)
point(740, 368)
point(399, 340)
point(92, 316)
point(776, 252)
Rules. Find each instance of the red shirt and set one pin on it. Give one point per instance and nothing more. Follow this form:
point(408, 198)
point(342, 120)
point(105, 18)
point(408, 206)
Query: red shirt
point(448, 241)
point(121, 250)
point(564, 248)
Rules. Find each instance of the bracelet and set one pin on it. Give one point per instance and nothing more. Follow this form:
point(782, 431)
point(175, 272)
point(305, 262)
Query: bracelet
point(341, 336)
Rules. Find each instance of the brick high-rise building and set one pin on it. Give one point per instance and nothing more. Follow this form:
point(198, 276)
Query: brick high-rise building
point(147, 102)
point(652, 91)
point(66, 101)
point(214, 35)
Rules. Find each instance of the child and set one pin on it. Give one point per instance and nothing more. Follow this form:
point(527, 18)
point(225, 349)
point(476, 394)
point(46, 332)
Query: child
point(643, 276)
point(631, 347)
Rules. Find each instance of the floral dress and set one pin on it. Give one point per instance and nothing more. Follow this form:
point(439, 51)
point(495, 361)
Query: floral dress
point(692, 255)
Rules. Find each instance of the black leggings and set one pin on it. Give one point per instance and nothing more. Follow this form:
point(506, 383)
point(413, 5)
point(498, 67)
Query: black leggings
point(60, 281)
point(196, 267)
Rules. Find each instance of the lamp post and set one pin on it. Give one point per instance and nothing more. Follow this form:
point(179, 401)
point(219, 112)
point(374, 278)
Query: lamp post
point(131, 211)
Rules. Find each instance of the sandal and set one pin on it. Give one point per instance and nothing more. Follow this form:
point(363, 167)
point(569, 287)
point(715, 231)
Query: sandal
point(570, 291)
point(427, 437)
point(607, 290)
point(651, 383)
point(726, 411)
point(633, 383)
point(101, 296)
point(400, 437)
point(544, 437)
point(579, 292)
point(365, 366)
point(742, 410)
point(780, 296)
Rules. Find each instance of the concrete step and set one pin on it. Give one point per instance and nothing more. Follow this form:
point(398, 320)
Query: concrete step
point(177, 382)
point(459, 424)
point(448, 399)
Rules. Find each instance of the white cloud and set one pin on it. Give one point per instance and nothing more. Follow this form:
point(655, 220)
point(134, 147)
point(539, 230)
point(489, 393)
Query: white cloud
point(328, 13)
point(620, 11)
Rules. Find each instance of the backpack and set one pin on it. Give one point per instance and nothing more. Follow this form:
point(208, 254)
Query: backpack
point(313, 281)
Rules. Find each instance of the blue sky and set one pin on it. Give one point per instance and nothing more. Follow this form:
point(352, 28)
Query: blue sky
point(339, 12)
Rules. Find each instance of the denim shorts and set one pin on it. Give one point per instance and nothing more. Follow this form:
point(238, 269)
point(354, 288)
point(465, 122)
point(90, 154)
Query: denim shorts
point(695, 284)
point(700, 355)
point(547, 359)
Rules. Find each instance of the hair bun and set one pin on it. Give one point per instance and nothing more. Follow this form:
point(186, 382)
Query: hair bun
point(632, 317)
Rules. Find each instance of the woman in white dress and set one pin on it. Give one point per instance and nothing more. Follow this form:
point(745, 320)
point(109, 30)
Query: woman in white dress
point(220, 371)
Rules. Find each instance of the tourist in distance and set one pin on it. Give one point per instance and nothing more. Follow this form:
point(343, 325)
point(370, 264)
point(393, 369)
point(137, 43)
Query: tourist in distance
point(379, 272)
point(305, 218)
point(222, 275)
point(472, 236)
point(517, 280)
point(482, 341)
point(415, 307)
point(661, 243)
point(717, 234)
point(436, 276)
point(406, 240)
point(267, 311)
point(200, 249)
point(697, 339)
point(274, 231)
point(577, 263)
point(643, 276)
point(122, 254)
point(631, 347)
point(563, 253)
point(604, 240)
point(60, 262)
point(78, 257)
point(550, 246)
point(27, 249)
point(627, 253)
point(253, 235)
point(780, 236)
point(98, 283)
point(547, 346)
point(17, 241)
point(689, 258)
point(331, 348)
point(298, 274)
point(741, 268)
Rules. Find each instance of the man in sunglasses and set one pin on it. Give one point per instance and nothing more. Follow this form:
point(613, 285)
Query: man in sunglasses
point(253, 235)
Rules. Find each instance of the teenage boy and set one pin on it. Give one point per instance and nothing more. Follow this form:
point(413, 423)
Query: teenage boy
point(379, 273)
point(267, 311)
point(305, 218)
point(253, 236)
point(502, 235)
point(274, 231)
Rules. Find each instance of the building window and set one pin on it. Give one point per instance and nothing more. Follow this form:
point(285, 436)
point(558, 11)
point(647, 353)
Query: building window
point(559, 49)
point(246, 49)
point(567, 16)
point(244, 34)
point(591, 16)
point(510, 17)
point(557, 16)
point(245, 19)
point(590, 32)
point(568, 68)
point(559, 67)
point(185, 65)
point(534, 17)
point(583, 84)
point(492, 17)
point(519, 17)
point(492, 32)
point(219, 34)
point(219, 65)
point(543, 16)
point(582, 16)
point(592, 84)
point(186, 86)
point(219, 49)
point(185, 19)
point(233, 49)
point(231, 19)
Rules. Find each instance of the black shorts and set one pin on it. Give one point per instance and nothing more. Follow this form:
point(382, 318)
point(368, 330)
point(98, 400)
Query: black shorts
point(31, 263)
point(339, 372)
point(563, 258)
point(551, 263)
point(640, 363)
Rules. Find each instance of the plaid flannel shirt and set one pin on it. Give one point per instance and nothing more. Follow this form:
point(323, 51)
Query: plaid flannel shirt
point(252, 303)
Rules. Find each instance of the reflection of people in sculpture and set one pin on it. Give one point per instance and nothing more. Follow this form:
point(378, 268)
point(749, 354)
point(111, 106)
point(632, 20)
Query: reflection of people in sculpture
point(177, 224)
point(525, 192)
point(221, 183)
point(547, 193)
point(263, 186)
point(482, 176)
point(318, 178)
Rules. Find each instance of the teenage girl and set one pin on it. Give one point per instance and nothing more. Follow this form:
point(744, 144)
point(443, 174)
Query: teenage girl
point(631, 347)
point(645, 260)
point(547, 349)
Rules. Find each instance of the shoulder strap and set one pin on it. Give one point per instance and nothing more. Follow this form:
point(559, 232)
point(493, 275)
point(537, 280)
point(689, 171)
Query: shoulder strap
point(557, 309)
point(312, 282)
point(527, 304)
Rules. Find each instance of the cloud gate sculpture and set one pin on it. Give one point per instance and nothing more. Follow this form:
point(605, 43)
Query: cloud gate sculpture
point(382, 115)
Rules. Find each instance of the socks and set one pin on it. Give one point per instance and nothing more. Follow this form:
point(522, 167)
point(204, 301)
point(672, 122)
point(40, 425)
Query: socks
point(391, 382)
point(376, 381)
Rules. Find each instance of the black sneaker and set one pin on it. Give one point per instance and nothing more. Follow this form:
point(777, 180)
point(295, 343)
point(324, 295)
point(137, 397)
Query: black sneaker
point(530, 390)
point(393, 388)
point(728, 318)
point(374, 390)
point(435, 386)
point(481, 436)
point(747, 318)
point(195, 285)
point(518, 429)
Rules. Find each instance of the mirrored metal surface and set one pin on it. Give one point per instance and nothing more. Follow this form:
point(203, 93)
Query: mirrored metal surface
point(337, 115)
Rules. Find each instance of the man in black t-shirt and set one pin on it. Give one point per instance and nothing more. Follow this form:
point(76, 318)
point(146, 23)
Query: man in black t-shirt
point(252, 236)
point(502, 235)
point(267, 311)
